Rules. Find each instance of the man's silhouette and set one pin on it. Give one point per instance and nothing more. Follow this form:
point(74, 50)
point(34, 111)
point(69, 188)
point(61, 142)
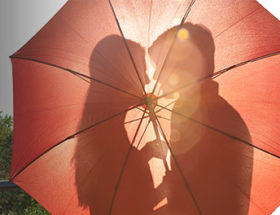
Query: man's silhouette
point(215, 166)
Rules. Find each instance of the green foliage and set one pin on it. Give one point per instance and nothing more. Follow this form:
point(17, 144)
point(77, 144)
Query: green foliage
point(6, 135)
point(14, 202)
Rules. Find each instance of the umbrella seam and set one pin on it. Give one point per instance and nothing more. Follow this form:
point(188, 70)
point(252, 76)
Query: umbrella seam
point(70, 137)
point(173, 42)
point(235, 23)
point(75, 73)
point(143, 134)
point(220, 72)
point(124, 165)
point(125, 43)
point(221, 132)
point(178, 166)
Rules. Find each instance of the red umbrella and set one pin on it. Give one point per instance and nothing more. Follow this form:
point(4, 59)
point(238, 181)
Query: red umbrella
point(150, 107)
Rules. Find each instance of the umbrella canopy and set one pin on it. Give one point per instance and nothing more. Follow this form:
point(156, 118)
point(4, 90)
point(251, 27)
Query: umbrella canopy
point(150, 107)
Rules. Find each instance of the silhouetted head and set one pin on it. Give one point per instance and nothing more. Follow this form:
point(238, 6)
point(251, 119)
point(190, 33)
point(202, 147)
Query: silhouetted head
point(111, 63)
point(191, 56)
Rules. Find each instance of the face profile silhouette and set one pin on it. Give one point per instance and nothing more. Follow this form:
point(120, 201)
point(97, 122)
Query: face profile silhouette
point(215, 166)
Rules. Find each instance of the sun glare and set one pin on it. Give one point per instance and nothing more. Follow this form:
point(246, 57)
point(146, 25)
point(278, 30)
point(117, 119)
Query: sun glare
point(183, 34)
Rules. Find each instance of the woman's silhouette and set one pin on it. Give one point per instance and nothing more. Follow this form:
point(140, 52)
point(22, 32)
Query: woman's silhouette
point(109, 172)
point(214, 164)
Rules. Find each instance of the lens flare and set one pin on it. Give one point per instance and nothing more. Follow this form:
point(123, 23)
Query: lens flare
point(176, 95)
point(185, 135)
point(173, 79)
point(189, 103)
point(176, 135)
point(183, 34)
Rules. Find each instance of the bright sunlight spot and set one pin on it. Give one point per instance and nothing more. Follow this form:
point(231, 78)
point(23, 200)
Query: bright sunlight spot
point(183, 34)
point(176, 21)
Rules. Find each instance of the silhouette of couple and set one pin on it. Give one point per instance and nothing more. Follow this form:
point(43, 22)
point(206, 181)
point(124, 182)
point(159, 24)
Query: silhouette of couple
point(210, 171)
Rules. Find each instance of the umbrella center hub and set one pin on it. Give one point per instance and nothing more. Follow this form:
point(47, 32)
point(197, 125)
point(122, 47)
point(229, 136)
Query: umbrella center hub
point(150, 101)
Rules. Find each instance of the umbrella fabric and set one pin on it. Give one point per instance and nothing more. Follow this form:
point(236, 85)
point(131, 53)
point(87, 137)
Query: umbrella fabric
point(150, 107)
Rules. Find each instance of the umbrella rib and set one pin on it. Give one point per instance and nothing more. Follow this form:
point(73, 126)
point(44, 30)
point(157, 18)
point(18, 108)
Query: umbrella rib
point(82, 76)
point(220, 72)
point(124, 164)
point(161, 108)
point(170, 103)
point(173, 42)
point(155, 112)
point(221, 132)
point(161, 117)
point(73, 135)
point(177, 163)
point(140, 109)
point(126, 45)
point(143, 134)
point(134, 120)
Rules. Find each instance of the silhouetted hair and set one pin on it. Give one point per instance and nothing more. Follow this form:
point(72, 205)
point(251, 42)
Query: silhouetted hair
point(200, 36)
